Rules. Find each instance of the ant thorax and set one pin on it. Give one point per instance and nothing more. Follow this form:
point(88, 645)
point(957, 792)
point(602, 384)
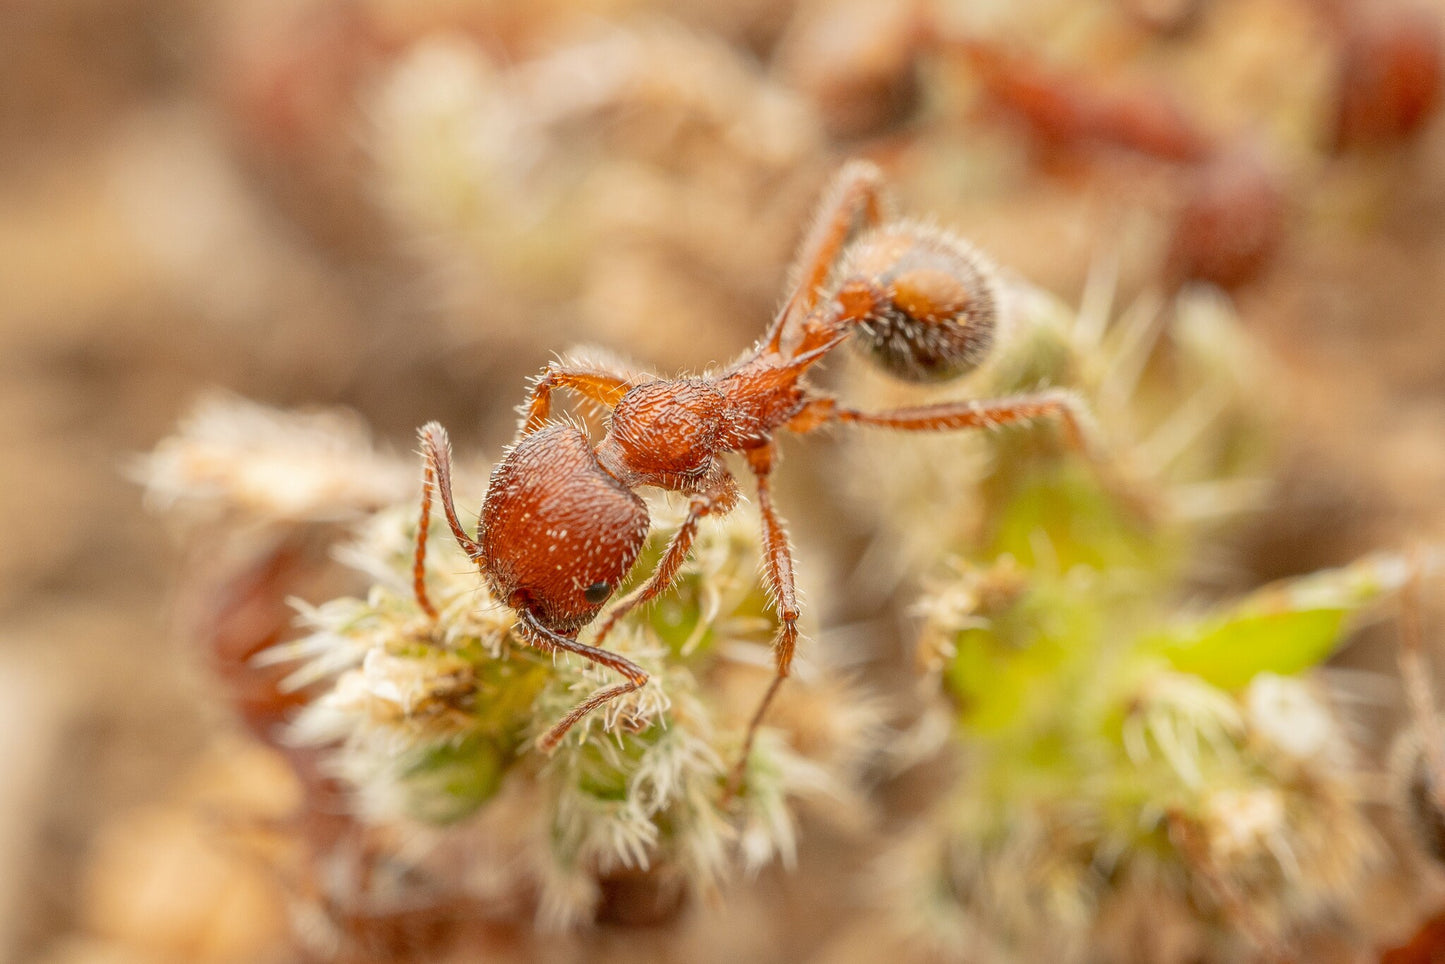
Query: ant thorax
point(669, 432)
point(662, 430)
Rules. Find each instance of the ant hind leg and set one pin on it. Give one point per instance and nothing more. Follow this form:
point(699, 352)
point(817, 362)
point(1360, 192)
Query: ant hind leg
point(1066, 407)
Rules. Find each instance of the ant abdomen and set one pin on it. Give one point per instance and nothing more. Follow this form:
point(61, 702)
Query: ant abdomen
point(940, 301)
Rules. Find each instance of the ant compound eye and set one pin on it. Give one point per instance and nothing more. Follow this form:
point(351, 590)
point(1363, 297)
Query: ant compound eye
point(941, 302)
point(597, 593)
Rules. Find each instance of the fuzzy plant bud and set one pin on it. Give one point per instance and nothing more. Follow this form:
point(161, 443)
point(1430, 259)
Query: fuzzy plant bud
point(1099, 729)
point(1122, 756)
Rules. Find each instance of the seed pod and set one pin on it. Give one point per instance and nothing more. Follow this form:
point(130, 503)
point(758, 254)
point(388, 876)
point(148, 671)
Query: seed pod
point(941, 301)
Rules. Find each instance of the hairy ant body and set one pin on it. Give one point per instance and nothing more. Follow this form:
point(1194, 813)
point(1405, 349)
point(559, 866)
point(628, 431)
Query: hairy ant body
point(561, 526)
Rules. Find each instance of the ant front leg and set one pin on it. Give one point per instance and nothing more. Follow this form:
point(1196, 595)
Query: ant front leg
point(596, 382)
point(855, 200)
point(436, 450)
point(547, 639)
point(719, 495)
point(778, 556)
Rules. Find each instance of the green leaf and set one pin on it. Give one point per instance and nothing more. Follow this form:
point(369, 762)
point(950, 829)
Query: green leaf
point(1230, 652)
point(1284, 628)
point(1054, 513)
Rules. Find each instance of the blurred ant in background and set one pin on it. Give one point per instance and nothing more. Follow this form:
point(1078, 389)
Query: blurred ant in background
point(860, 64)
point(561, 526)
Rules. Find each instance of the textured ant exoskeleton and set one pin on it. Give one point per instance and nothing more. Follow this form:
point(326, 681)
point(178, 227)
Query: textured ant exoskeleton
point(561, 525)
point(949, 334)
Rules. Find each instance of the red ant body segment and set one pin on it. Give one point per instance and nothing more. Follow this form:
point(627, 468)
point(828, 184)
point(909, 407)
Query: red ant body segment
point(561, 526)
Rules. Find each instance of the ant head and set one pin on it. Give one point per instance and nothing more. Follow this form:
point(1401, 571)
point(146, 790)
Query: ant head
point(940, 301)
point(558, 532)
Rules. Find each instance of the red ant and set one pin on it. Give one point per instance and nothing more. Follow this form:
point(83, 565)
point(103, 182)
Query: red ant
point(561, 525)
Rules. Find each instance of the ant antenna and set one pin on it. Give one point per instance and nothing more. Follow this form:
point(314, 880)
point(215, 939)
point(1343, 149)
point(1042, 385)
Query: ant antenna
point(436, 449)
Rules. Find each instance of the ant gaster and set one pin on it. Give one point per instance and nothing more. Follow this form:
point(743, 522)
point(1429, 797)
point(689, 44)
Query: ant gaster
point(561, 526)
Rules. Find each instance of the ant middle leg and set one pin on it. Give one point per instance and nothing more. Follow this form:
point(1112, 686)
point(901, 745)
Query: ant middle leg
point(547, 639)
point(778, 556)
point(719, 495)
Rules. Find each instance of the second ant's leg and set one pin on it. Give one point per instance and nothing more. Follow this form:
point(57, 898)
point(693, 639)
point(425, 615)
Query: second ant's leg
point(778, 557)
point(718, 497)
point(544, 638)
point(436, 450)
point(596, 382)
point(856, 195)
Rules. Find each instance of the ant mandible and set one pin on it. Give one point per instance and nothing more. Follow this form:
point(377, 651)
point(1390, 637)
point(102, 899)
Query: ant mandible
point(561, 524)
